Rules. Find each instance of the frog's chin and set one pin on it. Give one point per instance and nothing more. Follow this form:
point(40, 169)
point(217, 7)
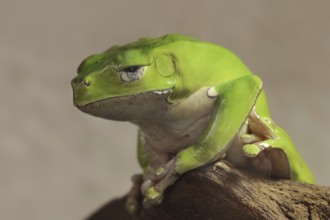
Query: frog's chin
point(140, 106)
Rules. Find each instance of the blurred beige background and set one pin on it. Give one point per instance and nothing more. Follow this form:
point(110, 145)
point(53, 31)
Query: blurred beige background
point(58, 163)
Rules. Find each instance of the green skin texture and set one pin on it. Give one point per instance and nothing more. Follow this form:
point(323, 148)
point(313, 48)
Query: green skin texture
point(231, 103)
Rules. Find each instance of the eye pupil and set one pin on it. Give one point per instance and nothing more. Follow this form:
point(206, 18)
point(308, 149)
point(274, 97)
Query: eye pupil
point(131, 69)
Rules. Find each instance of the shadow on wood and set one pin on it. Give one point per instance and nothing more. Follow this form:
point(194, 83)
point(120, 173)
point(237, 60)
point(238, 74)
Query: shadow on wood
point(223, 192)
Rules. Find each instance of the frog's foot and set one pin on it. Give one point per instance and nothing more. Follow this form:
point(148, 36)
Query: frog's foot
point(152, 197)
point(134, 196)
point(153, 189)
point(267, 159)
point(263, 148)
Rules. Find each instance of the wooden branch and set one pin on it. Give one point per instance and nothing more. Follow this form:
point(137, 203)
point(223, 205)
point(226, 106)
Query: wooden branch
point(224, 192)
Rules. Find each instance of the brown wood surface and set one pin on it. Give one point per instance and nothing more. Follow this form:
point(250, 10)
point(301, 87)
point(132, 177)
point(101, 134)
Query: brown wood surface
point(224, 192)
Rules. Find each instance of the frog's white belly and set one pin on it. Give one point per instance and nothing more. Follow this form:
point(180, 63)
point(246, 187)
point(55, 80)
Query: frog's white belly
point(171, 139)
point(179, 125)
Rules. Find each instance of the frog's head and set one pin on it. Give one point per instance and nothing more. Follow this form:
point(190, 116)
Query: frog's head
point(149, 74)
point(136, 74)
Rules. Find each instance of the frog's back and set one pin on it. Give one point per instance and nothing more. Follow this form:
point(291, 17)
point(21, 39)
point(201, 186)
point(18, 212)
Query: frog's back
point(197, 63)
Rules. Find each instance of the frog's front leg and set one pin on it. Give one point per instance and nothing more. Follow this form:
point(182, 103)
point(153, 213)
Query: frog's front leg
point(153, 188)
point(134, 195)
point(151, 185)
point(238, 95)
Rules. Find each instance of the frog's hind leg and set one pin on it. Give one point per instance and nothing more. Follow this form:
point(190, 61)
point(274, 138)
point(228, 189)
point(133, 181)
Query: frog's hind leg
point(265, 150)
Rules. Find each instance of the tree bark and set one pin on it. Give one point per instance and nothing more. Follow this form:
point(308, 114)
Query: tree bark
point(223, 192)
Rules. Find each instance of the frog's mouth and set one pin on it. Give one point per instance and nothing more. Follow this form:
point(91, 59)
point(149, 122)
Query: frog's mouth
point(162, 92)
point(131, 107)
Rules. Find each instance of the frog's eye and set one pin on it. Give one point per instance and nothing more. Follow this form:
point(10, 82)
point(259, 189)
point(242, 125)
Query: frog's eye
point(131, 73)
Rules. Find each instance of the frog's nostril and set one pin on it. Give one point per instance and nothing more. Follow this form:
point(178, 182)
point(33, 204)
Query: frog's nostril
point(81, 81)
point(86, 82)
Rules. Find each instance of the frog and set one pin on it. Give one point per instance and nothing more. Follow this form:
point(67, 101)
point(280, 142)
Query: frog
point(194, 103)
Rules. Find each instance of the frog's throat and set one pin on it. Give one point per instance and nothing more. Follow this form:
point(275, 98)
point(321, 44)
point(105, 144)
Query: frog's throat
point(165, 92)
point(128, 107)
